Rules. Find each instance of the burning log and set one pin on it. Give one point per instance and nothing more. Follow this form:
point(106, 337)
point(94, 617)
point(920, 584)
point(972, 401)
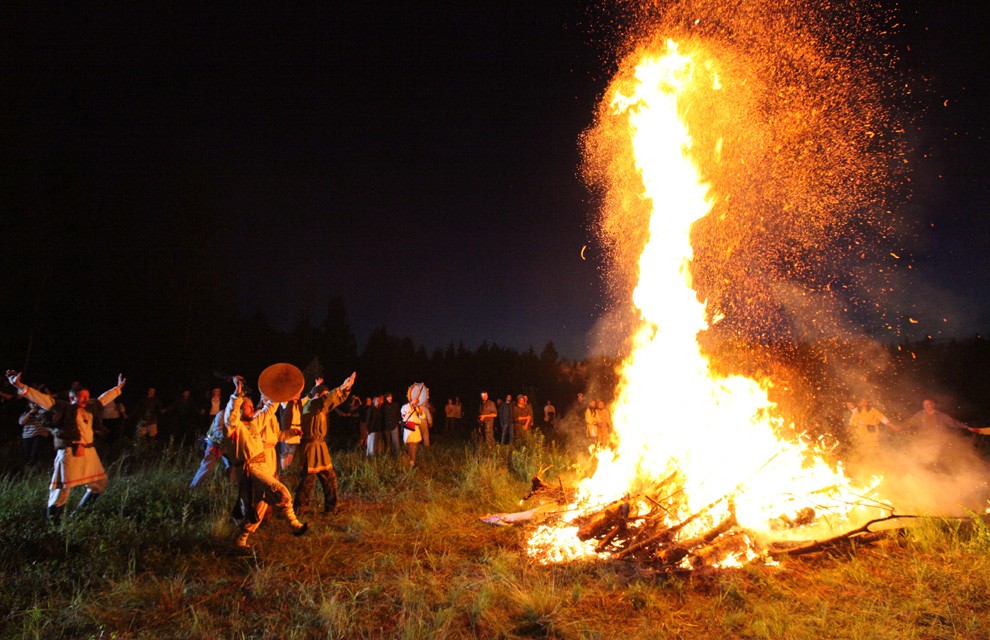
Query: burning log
point(607, 540)
point(802, 518)
point(677, 552)
point(734, 543)
point(605, 520)
point(667, 534)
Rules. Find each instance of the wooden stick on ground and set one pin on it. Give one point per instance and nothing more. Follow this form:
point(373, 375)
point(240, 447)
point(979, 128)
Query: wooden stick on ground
point(822, 545)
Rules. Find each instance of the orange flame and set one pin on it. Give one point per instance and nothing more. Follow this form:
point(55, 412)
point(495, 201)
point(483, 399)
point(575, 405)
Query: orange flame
point(718, 435)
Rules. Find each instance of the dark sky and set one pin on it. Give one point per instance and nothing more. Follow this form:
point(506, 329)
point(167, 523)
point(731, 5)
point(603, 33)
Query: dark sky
point(417, 159)
point(946, 44)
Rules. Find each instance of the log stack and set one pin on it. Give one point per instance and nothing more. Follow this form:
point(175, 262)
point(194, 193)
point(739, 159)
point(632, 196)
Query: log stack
point(646, 529)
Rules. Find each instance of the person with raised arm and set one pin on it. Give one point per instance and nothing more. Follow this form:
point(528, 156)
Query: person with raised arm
point(71, 424)
point(316, 453)
point(257, 485)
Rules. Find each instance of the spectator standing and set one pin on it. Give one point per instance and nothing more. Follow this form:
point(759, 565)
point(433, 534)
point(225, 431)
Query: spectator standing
point(349, 414)
point(183, 415)
point(505, 411)
point(375, 420)
point(448, 415)
point(114, 417)
point(363, 423)
point(549, 416)
point(148, 413)
point(487, 413)
point(522, 415)
point(392, 415)
point(458, 413)
point(34, 437)
point(214, 404)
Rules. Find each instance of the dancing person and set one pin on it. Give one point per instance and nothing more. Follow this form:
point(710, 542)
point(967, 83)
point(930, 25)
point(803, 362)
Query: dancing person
point(257, 485)
point(865, 424)
point(319, 464)
point(76, 460)
point(427, 424)
point(591, 421)
point(937, 436)
point(603, 424)
point(216, 446)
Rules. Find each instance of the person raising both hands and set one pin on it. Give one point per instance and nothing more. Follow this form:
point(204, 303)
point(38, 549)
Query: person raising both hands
point(71, 423)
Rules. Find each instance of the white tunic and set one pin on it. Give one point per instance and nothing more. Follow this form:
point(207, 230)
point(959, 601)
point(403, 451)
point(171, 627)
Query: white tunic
point(78, 464)
point(412, 416)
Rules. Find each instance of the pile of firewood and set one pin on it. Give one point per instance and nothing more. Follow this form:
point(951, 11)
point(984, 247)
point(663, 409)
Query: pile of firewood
point(644, 529)
point(651, 538)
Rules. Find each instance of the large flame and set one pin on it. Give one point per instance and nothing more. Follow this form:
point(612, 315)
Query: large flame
point(719, 436)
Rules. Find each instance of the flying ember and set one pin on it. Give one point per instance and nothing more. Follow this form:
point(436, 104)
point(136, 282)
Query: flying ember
point(703, 459)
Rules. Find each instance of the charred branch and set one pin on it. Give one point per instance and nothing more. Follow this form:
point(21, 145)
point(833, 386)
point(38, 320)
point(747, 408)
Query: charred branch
point(860, 534)
point(605, 520)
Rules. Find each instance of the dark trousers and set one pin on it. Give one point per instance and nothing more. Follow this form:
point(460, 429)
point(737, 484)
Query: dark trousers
point(328, 482)
point(32, 448)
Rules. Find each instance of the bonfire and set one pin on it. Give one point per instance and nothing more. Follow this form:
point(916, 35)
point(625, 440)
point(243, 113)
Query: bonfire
point(705, 470)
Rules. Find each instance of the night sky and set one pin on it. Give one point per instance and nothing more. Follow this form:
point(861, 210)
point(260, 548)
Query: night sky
point(418, 160)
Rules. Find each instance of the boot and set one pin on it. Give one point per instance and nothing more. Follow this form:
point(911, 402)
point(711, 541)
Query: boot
point(55, 514)
point(298, 508)
point(298, 528)
point(241, 541)
point(330, 494)
point(86, 503)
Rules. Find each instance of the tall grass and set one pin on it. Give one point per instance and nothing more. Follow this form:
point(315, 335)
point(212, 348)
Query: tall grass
point(405, 556)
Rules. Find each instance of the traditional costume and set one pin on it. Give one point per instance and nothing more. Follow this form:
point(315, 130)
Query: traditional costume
point(76, 460)
point(258, 486)
point(316, 453)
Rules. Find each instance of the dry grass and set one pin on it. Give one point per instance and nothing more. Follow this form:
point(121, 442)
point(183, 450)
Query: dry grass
point(406, 557)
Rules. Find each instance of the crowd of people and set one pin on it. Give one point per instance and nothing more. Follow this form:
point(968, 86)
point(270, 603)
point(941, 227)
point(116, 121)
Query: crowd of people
point(262, 446)
point(931, 434)
point(266, 446)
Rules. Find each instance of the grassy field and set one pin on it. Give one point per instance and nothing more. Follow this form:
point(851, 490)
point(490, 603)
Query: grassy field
point(405, 556)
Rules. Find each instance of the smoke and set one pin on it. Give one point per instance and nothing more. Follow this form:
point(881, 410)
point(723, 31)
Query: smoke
point(612, 333)
point(937, 473)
